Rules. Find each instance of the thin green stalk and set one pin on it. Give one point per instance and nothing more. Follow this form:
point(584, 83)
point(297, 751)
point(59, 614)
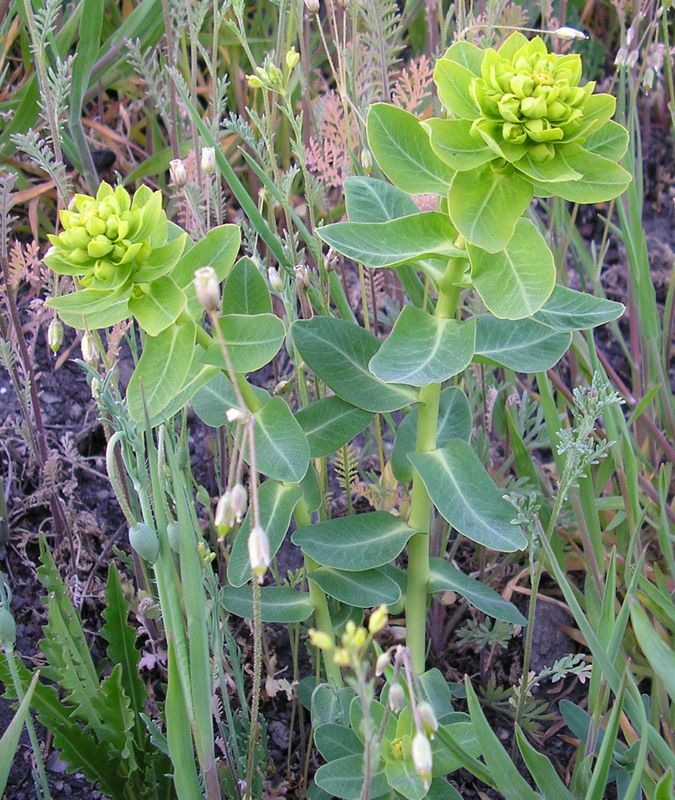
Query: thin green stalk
point(420, 502)
point(322, 618)
point(34, 743)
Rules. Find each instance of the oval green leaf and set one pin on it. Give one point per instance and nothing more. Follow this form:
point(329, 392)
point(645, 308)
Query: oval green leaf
point(446, 578)
point(252, 341)
point(372, 200)
point(212, 401)
point(515, 282)
point(161, 372)
point(422, 349)
point(452, 141)
point(339, 351)
point(218, 249)
point(485, 205)
point(522, 345)
point(277, 603)
point(336, 741)
point(354, 543)
point(343, 778)
point(330, 423)
point(245, 290)
point(454, 422)
point(363, 589)
point(567, 310)
point(159, 307)
point(281, 448)
point(398, 241)
point(402, 150)
point(466, 496)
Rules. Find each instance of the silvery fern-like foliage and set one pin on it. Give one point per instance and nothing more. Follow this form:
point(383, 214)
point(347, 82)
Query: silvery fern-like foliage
point(45, 24)
point(59, 80)
point(380, 43)
point(287, 180)
point(146, 64)
point(7, 181)
point(218, 105)
point(39, 150)
point(577, 443)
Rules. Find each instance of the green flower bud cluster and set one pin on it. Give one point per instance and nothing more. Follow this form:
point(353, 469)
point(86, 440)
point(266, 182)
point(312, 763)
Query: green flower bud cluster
point(121, 251)
point(533, 95)
point(518, 114)
point(106, 238)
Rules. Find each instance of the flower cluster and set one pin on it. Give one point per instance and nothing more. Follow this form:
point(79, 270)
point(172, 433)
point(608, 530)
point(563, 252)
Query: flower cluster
point(120, 250)
point(520, 108)
point(531, 99)
point(106, 238)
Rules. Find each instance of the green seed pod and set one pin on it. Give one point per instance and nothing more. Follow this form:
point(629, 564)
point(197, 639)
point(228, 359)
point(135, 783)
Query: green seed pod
point(173, 534)
point(144, 541)
point(7, 629)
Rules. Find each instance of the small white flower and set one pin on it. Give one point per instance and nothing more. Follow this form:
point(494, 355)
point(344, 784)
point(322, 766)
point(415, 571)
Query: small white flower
point(88, 348)
point(383, 661)
point(235, 415)
point(208, 160)
point(275, 279)
point(428, 718)
point(422, 758)
point(569, 34)
point(177, 172)
point(312, 6)
point(396, 698)
point(225, 516)
point(207, 288)
point(239, 501)
point(258, 551)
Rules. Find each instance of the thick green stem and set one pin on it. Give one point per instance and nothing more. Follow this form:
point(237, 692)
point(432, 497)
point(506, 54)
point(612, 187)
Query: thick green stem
point(420, 502)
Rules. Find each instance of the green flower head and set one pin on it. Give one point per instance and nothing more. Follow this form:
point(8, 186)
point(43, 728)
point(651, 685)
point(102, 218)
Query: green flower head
point(120, 249)
point(530, 100)
point(106, 239)
point(522, 109)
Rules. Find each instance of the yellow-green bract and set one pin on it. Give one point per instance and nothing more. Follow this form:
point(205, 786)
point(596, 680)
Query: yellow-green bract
point(522, 106)
point(120, 250)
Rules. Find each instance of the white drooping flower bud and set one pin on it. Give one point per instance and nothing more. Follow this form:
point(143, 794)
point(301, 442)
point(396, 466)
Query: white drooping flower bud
point(422, 758)
point(275, 279)
point(569, 34)
point(207, 288)
point(396, 698)
point(88, 348)
point(239, 501)
point(302, 277)
point(177, 172)
point(427, 718)
point(312, 6)
point(383, 661)
point(225, 516)
point(367, 160)
point(55, 335)
point(235, 415)
point(208, 160)
point(258, 551)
